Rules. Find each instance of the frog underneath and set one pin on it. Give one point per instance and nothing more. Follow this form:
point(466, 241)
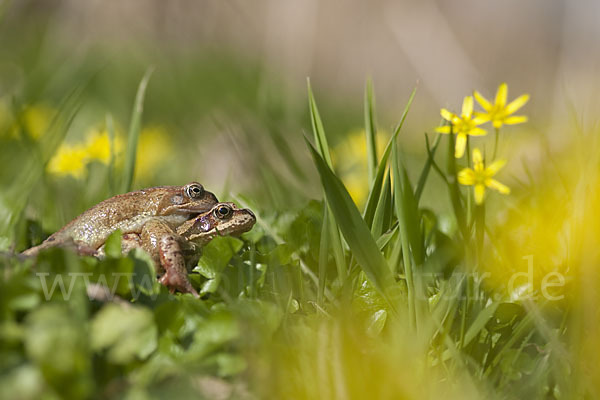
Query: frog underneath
point(176, 250)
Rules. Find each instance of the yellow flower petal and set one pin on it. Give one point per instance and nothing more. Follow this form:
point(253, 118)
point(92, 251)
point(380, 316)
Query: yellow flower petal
point(477, 158)
point(479, 193)
point(501, 95)
point(497, 123)
point(461, 142)
point(486, 105)
point(481, 118)
point(516, 104)
point(477, 132)
point(517, 119)
point(494, 184)
point(495, 167)
point(467, 107)
point(443, 129)
point(466, 177)
point(447, 115)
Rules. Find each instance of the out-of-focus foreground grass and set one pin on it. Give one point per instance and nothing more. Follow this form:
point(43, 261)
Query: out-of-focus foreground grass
point(482, 297)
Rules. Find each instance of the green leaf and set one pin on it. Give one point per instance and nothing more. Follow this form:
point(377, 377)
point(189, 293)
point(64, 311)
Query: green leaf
point(126, 333)
point(377, 185)
point(112, 245)
point(134, 133)
point(215, 258)
point(216, 255)
point(353, 227)
point(370, 130)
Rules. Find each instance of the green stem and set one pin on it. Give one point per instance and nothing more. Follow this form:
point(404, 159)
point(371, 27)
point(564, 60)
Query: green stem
point(496, 136)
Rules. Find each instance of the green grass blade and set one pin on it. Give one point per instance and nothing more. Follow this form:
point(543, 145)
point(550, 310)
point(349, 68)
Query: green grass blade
point(383, 214)
point(370, 130)
point(412, 217)
point(110, 128)
point(425, 172)
point(353, 227)
point(480, 321)
point(404, 235)
point(134, 133)
point(323, 256)
point(336, 246)
point(317, 126)
point(323, 149)
point(375, 191)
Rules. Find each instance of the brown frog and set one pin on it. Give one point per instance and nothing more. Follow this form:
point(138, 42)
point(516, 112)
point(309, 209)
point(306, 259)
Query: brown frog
point(174, 250)
point(132, 212)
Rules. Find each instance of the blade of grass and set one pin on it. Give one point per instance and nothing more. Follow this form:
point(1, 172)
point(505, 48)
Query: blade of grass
point(134, 133)
point(110, 128)
point(370, 131)
point(425, 172)
point(353, 227)
point(404, 236)
point(317, 127)
point(323, 149)
point(375, 191)
point(323, 255)
point(480, 321)
point(383, 211)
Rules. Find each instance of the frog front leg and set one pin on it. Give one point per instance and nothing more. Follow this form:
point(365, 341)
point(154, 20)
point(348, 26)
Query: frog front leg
point(164, 245)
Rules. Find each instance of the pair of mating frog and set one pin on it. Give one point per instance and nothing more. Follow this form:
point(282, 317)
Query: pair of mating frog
point(171, 223)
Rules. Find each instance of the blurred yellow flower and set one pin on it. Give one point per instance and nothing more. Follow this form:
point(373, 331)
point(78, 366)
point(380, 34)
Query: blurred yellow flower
point(462, 125)
point(153, 148)
point(36, 119)
point(69, 160)
point(500, 112)
point(98, 146)
point(481, 176)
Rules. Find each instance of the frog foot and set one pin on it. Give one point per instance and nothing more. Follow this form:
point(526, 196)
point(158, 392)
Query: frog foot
point(174, 281)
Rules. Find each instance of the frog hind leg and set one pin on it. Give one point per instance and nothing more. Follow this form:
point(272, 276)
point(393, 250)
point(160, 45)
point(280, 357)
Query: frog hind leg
point(159, 239)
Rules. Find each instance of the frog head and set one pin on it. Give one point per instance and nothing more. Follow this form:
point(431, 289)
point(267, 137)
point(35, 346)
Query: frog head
point(223, 219)
point(188, 199)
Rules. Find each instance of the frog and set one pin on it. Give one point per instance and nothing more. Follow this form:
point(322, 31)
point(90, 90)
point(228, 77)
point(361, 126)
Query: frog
point(175, 251)
point(130, 212)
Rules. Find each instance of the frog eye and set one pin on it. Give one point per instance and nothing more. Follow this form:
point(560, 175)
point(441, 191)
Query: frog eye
point(194, 190)
point(223, 212)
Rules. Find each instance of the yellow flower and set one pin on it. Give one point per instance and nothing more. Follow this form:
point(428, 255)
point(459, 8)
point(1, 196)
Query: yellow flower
point(499, 112)
point(462, 126)
point(153, 149)
point(37, 118)
point(98, 146)
point(69, 160)
point(481, 176)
